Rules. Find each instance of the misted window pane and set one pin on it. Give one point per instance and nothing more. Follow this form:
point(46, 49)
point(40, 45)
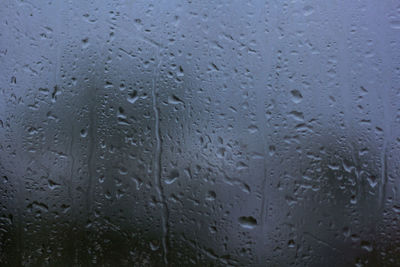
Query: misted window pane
point(199, 133)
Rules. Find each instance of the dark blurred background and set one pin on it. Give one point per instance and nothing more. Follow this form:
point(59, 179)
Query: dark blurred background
point(199, 133)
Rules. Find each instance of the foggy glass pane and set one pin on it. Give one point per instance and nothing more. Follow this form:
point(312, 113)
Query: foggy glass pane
point(200, 133)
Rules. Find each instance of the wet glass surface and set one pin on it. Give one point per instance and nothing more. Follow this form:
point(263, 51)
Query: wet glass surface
point(200, 133)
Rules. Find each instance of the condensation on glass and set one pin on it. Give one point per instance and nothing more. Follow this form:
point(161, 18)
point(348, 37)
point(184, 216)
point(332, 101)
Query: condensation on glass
point(199, 133)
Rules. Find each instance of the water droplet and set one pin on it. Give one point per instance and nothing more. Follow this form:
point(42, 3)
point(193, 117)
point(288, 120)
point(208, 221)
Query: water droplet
point(366, 246)
point(221, 152)
point(172, 177)
point(296, 96)
point(395, 24)
point(154, 245)
point(52, 185)
point(211, 196)
point(297, 116)
point(122, 86)
point(253, 128)
point(85, 42)
point(133, 97)
point(308, 10)
point(247, 222)
point(272, 150)
point(372, 180)
point(83, 133)
point(174, 100)
point(122, 170)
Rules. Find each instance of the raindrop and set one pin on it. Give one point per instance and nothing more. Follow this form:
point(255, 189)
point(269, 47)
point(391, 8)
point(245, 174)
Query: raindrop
point(296, 96)
point(172, 177)
point(211, 196)
point(247, 222)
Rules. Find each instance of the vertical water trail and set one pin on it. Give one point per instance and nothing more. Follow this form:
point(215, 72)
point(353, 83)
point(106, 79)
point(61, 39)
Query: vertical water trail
point(91, 144)
point(157, 165)
point(73, 216)
point(384, 176)
point(71, 171)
